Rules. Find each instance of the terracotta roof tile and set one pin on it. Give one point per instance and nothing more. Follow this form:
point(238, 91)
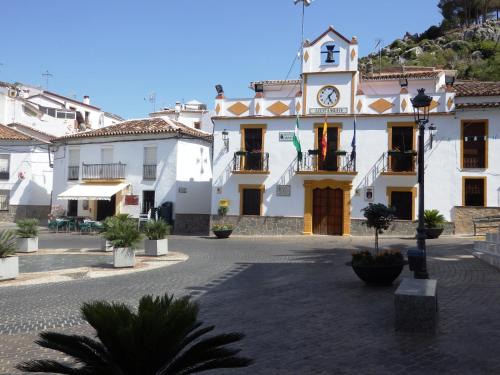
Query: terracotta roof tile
point(477, 88)
point(423, 74)
point(138, 127)
point(11, 134)
point(477, 105)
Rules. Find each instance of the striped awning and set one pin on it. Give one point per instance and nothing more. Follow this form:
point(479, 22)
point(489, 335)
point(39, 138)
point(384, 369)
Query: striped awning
point(92, 191)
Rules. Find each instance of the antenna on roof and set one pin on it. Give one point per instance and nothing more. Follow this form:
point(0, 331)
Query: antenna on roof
point(305, 3)
point(47, 76)
point(379, 45)
point(152, 100)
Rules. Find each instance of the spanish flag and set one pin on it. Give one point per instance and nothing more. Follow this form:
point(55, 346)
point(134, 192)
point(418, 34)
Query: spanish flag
point(324, 139)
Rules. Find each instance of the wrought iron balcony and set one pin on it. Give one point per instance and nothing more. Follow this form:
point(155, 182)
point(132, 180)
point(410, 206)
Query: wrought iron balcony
point(73, 172)
point(251, 162)
point(103, 171)
point(4, 174)
point(335, 162)
point(149, 171)
point(403, 162)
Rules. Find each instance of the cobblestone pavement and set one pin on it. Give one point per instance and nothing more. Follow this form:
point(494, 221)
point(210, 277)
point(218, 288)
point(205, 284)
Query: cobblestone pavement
point(302, 309)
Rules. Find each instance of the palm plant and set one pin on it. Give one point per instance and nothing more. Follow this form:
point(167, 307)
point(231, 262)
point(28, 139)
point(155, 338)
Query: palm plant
point(156, 229)
point(433, 219)
point(121, 231)
point(7, 243)
point(164, 337)
point(27, 228)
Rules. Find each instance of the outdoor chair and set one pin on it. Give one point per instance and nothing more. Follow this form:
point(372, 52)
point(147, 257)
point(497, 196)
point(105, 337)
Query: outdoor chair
point(55, 225)
point(85, 226)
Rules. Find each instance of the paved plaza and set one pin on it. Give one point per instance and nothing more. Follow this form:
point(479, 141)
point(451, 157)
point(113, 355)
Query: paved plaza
point(302, 309)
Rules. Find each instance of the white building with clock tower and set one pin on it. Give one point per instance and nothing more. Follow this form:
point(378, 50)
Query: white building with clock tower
point(273, 190)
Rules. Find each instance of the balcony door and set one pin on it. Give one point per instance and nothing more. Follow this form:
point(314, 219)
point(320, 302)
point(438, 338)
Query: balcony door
point(328, 208)
point(402, 139)
point(330, 162)
point(253, 146)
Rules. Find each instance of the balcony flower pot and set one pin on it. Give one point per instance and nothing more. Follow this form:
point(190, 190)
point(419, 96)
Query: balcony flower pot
point(123, 257)
point(106, 246)
point(155, 248)
point(9, 268)
point(222, 230)
point(27, 233)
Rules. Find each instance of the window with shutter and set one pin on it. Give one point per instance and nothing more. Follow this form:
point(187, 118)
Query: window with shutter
point(474, 140)
point(474, 192)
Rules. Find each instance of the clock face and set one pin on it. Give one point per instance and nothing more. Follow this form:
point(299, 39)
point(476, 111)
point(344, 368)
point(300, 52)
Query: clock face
point(328, 96)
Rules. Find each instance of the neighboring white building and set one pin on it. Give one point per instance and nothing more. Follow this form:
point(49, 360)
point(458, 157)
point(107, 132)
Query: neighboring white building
point(25, 174)
point(192, 113)
point(134, 166)
point(50, 112)
point(270, 192)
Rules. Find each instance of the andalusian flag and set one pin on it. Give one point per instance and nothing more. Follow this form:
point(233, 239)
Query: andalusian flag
point(296, 140)
point(324, 139)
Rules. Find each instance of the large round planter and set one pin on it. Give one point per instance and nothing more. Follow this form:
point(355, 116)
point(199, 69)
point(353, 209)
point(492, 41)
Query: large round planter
point(432, 233)
point(223, 233)
point(378, 274)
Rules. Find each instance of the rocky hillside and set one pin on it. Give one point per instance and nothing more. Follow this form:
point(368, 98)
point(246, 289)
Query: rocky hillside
point(473, 51)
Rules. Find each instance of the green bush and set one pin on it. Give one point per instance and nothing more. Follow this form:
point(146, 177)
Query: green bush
point(218, 227)
point(27, 228)
point(488, 48)
point(121, 232)
point(8, 244)
point(379, 217)
point(388, 257)
point(433, 219)
point(156, 230)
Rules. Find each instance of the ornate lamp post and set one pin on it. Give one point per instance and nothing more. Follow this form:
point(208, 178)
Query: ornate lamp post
point(417, 258)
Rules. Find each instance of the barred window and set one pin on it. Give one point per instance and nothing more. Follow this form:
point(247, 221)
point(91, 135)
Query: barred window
point(4, 200)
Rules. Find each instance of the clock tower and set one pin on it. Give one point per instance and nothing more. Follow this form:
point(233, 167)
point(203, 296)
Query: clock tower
point(330, 74)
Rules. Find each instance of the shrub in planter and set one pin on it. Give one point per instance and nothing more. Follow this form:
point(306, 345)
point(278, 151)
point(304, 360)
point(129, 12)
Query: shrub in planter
point(434, 223)
point(27, 233)
point(124, 235)
point(380, 268)
point(9, 264)
point(163, 335)
point(156, 244)
point(223, 230)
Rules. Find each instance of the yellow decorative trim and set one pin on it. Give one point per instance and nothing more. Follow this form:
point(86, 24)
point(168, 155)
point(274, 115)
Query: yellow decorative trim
point(257, 108)
point(298, 107)
point(404, 105)
point(412, 190)
point(304, 94)
point(306, 56)
point(434, 104)
point(359, 106)
point(486, 127)
point(450, 103)
point(238, 108)
point(217, 108)
point(381, 105)
point(278, 108)
point(353, 54)
point(485, 200)
point(310, 185)
point(245, 186)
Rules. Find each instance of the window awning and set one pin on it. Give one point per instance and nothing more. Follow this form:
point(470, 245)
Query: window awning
point(92, 191)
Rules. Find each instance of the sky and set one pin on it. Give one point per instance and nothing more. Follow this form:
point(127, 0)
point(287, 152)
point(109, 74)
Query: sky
point(120, 51)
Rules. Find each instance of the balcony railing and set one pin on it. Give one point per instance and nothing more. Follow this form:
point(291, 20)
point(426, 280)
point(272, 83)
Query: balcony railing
point(338, 161)
point(149, 172)
point(103, 171)
point(73, 172)
point(400, 161)
point(4, 174)
point(474, 162)
point(251, 161)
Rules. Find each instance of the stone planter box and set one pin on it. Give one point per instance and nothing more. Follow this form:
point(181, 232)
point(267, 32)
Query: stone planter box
point(106, 246)
point(27, 245)
point(123, 257)
point(156, 248)
point(9, 268)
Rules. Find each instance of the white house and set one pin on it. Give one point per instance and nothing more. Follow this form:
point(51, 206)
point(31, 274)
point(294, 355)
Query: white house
point(25, 174)
point(256, 165)
point(192, 113)
point(134, 166)
point(50, 112)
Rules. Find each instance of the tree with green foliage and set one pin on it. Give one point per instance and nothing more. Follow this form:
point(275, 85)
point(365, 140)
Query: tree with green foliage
point(163, 337)
point(379, 217)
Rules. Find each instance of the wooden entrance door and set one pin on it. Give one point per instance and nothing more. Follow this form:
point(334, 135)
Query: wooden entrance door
point(328, 208)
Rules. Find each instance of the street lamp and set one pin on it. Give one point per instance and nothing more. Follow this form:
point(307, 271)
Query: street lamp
point(417, 258)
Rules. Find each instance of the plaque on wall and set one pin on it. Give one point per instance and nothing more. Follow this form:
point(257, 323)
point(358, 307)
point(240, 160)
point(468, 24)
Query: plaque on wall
point(328, 111)
point(283, 190)
point(131, 200)
point(286, 136)
point(183, 190)
point(369, 194)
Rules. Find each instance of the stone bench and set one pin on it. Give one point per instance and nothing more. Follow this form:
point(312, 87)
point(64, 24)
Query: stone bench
point(416, 305)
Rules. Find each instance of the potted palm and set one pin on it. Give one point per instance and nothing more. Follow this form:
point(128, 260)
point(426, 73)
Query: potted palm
point(156, 244)
point(9, 264)
point(434, 223)
point(381, 267)
point(107, 245)
point(124, 236)
point(222, 230)
point(163, 336)
point(27, 233)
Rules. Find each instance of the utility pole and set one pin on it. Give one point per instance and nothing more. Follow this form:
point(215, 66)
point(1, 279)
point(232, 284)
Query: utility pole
point(47, 76)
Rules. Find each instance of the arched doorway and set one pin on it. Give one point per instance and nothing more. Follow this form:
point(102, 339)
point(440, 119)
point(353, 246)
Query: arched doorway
point(328, 211)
